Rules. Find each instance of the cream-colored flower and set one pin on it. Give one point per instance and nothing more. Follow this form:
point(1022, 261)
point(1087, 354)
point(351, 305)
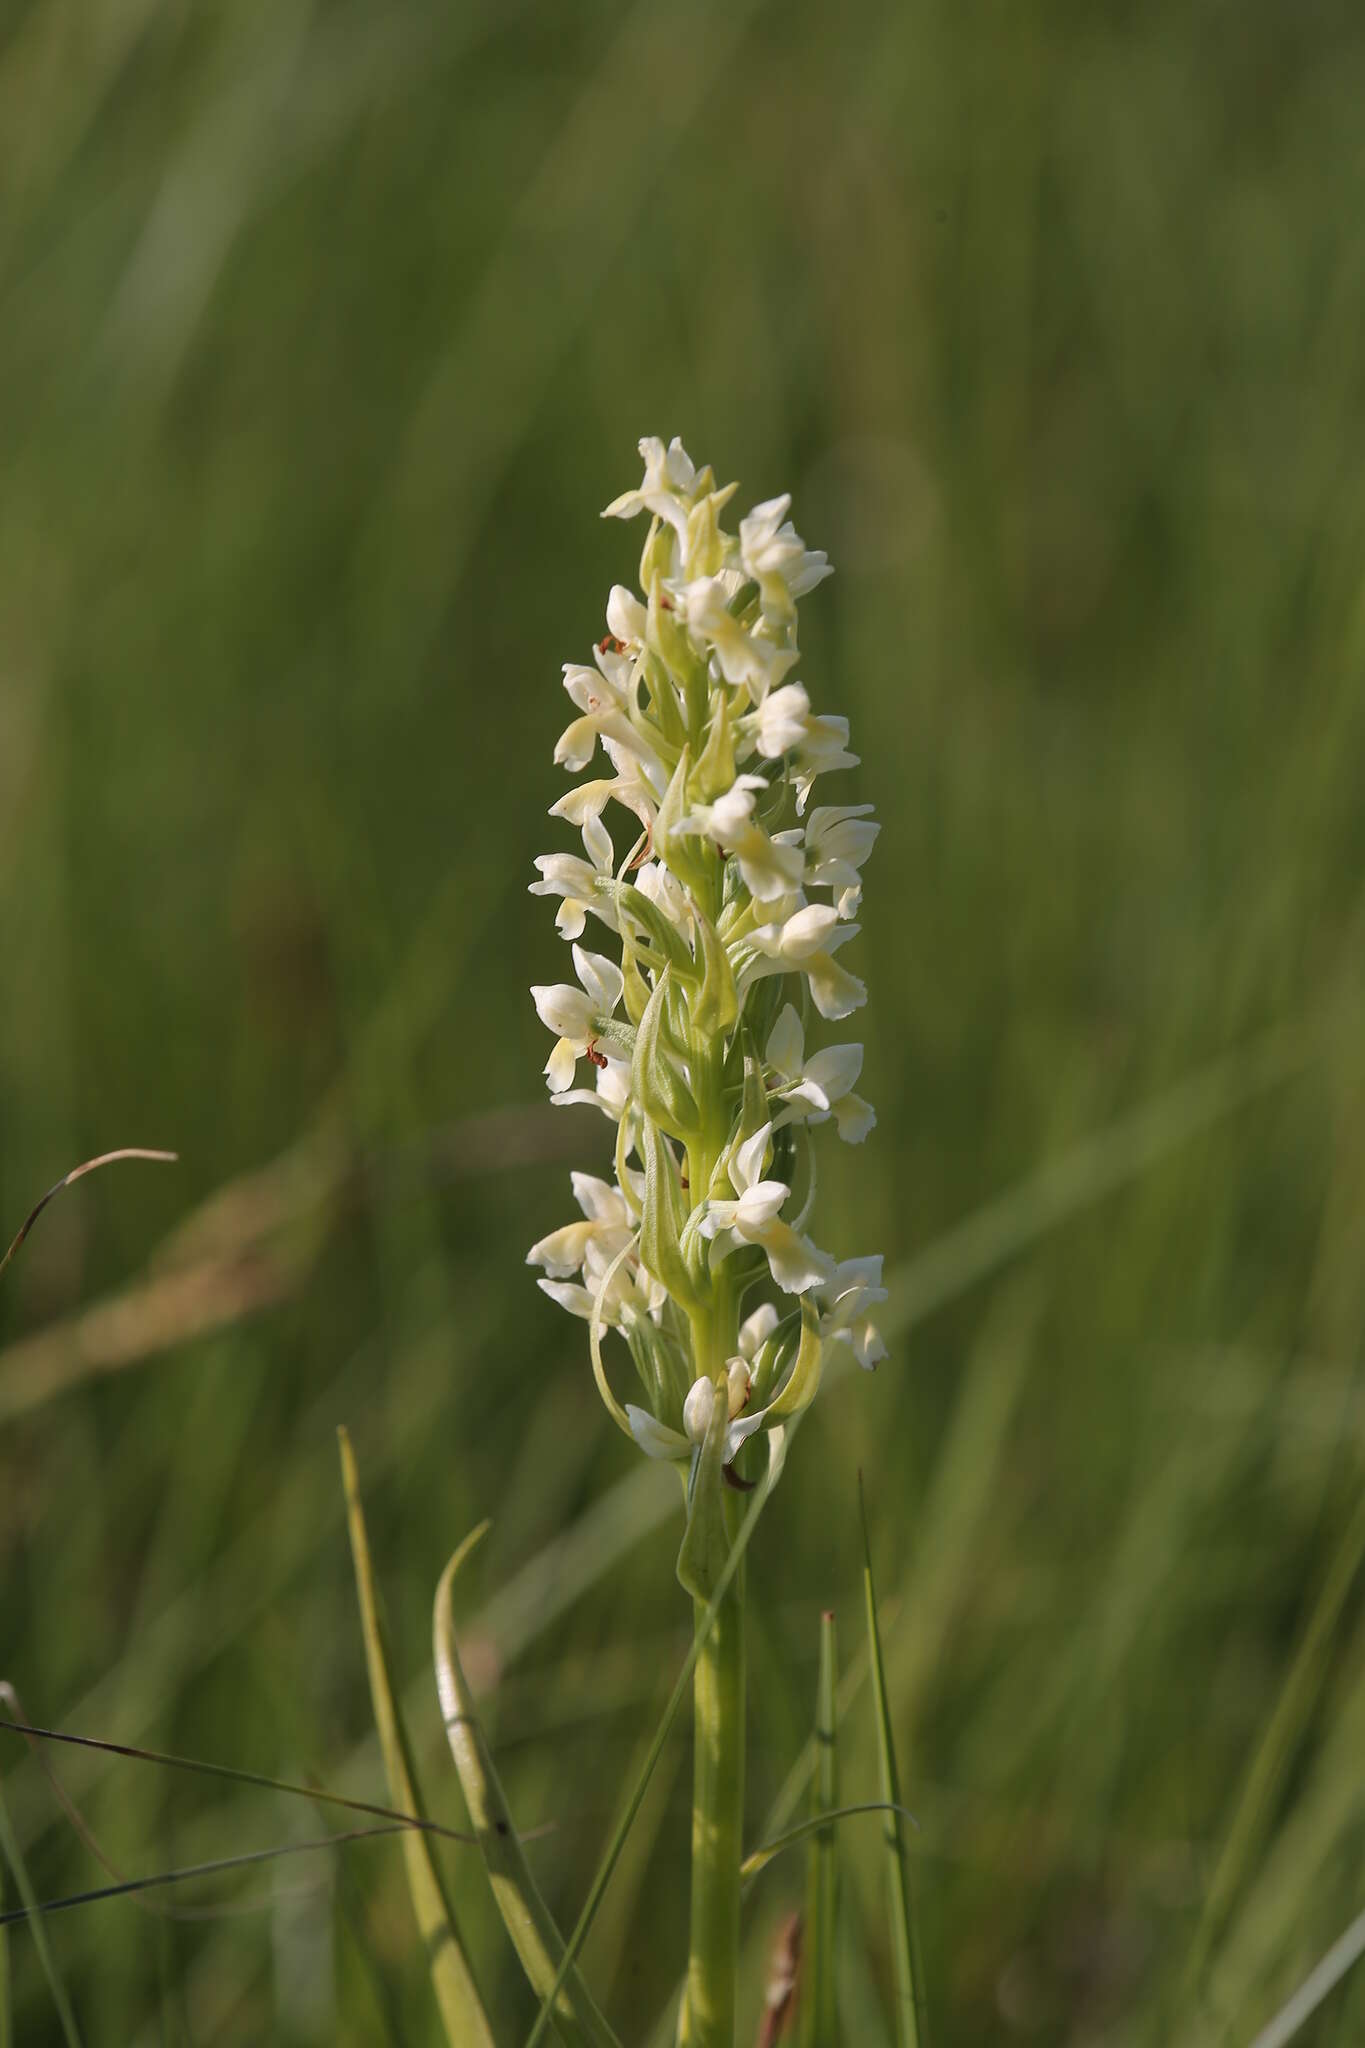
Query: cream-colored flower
point(575, 881)
point(771, 867)
point(853, 1288)
point(839, 838)
point(743, 656)
point(806, 941)
point(819, 1087)
point(752, 1218)
point(777, 558)
point(577, 1015)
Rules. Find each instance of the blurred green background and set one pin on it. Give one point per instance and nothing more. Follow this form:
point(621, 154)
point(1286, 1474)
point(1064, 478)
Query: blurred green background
point(326, 330)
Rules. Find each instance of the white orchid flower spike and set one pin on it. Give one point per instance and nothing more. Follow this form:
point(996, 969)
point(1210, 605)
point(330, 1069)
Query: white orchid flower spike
point(726, 907)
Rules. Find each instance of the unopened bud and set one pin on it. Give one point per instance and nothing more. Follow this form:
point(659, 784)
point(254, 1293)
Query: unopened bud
point(697, 1408)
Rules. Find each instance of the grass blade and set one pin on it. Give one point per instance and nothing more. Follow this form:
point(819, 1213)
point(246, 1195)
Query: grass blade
point(1276, 1749)
point(819, 2024)
point(908, 2029)
point(757, 1860)
point(452, 1981)
point(1324, 1977)
point(6, 2023)
point(778, 1441)
point(537, 1940)
point(14, 1855)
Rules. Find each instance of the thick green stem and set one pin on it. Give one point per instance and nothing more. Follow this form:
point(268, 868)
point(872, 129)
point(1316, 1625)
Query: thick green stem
point(708, 2019)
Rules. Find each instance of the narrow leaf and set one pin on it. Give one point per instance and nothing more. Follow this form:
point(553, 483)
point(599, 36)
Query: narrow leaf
point(803, 1381)
point(908, 2029)
point(656, 1076)
point(645, 912)
point(819, 2023)
point(452, 1981)
point(716, 762)
point(665, 1212)
point(717, 1004)
point(14, 1855)
point(537, 1940)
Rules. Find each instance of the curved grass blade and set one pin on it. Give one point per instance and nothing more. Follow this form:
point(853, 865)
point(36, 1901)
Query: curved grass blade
point(778, 1441)
point(14, 1855)
point(908, 2028)
point(78, 1173)
point(537, 1940)
point(757, 1860)
point(452, 1980)
point(819, 2020)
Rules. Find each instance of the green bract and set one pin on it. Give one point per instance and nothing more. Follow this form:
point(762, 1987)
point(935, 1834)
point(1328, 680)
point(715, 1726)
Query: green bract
point(729, 903)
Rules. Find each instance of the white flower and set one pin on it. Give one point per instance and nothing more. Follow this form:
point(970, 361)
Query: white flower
point(742, 655)
point(657, 1440)
point(771, 868)
point(669, 485)
point(838, 841)
point(755, 1331)
point(780, 722)
point(610, 1091)
point(806, 940)
point(575, 880)
point(821, 1086)
point(778, 559)
point(606, 1224)
point(824, 748)
point(605, 717)
point(627, 618)
point(850, 1291)
point(752, 1218)
point(577, 1014)
point(654, 881)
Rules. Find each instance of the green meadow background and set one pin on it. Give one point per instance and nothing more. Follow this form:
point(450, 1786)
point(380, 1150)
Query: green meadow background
point(326, 328)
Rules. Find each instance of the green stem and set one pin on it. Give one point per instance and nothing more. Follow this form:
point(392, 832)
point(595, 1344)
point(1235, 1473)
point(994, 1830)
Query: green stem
point(708, 2019)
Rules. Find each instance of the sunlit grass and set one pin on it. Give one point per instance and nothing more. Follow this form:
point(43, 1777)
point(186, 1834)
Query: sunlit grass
point(312, 332)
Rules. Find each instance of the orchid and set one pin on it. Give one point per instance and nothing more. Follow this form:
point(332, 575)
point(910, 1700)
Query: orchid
point(729, 905)
point(752, 1218)
point(817, 1088)
point(729, 909)
point(577, 1015)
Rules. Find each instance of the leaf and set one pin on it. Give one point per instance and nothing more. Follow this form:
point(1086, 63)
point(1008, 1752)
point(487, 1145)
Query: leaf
point(908, 2033)
point(665, 1212)
point(717, 1004)
point(803, 1381)
point(819, 2022)
point(14, 1855)
point(715, 771)
point(777, 1441)
point(537, 1940)
point(645, 911)
point(452, 1981)
point(656, 1079)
